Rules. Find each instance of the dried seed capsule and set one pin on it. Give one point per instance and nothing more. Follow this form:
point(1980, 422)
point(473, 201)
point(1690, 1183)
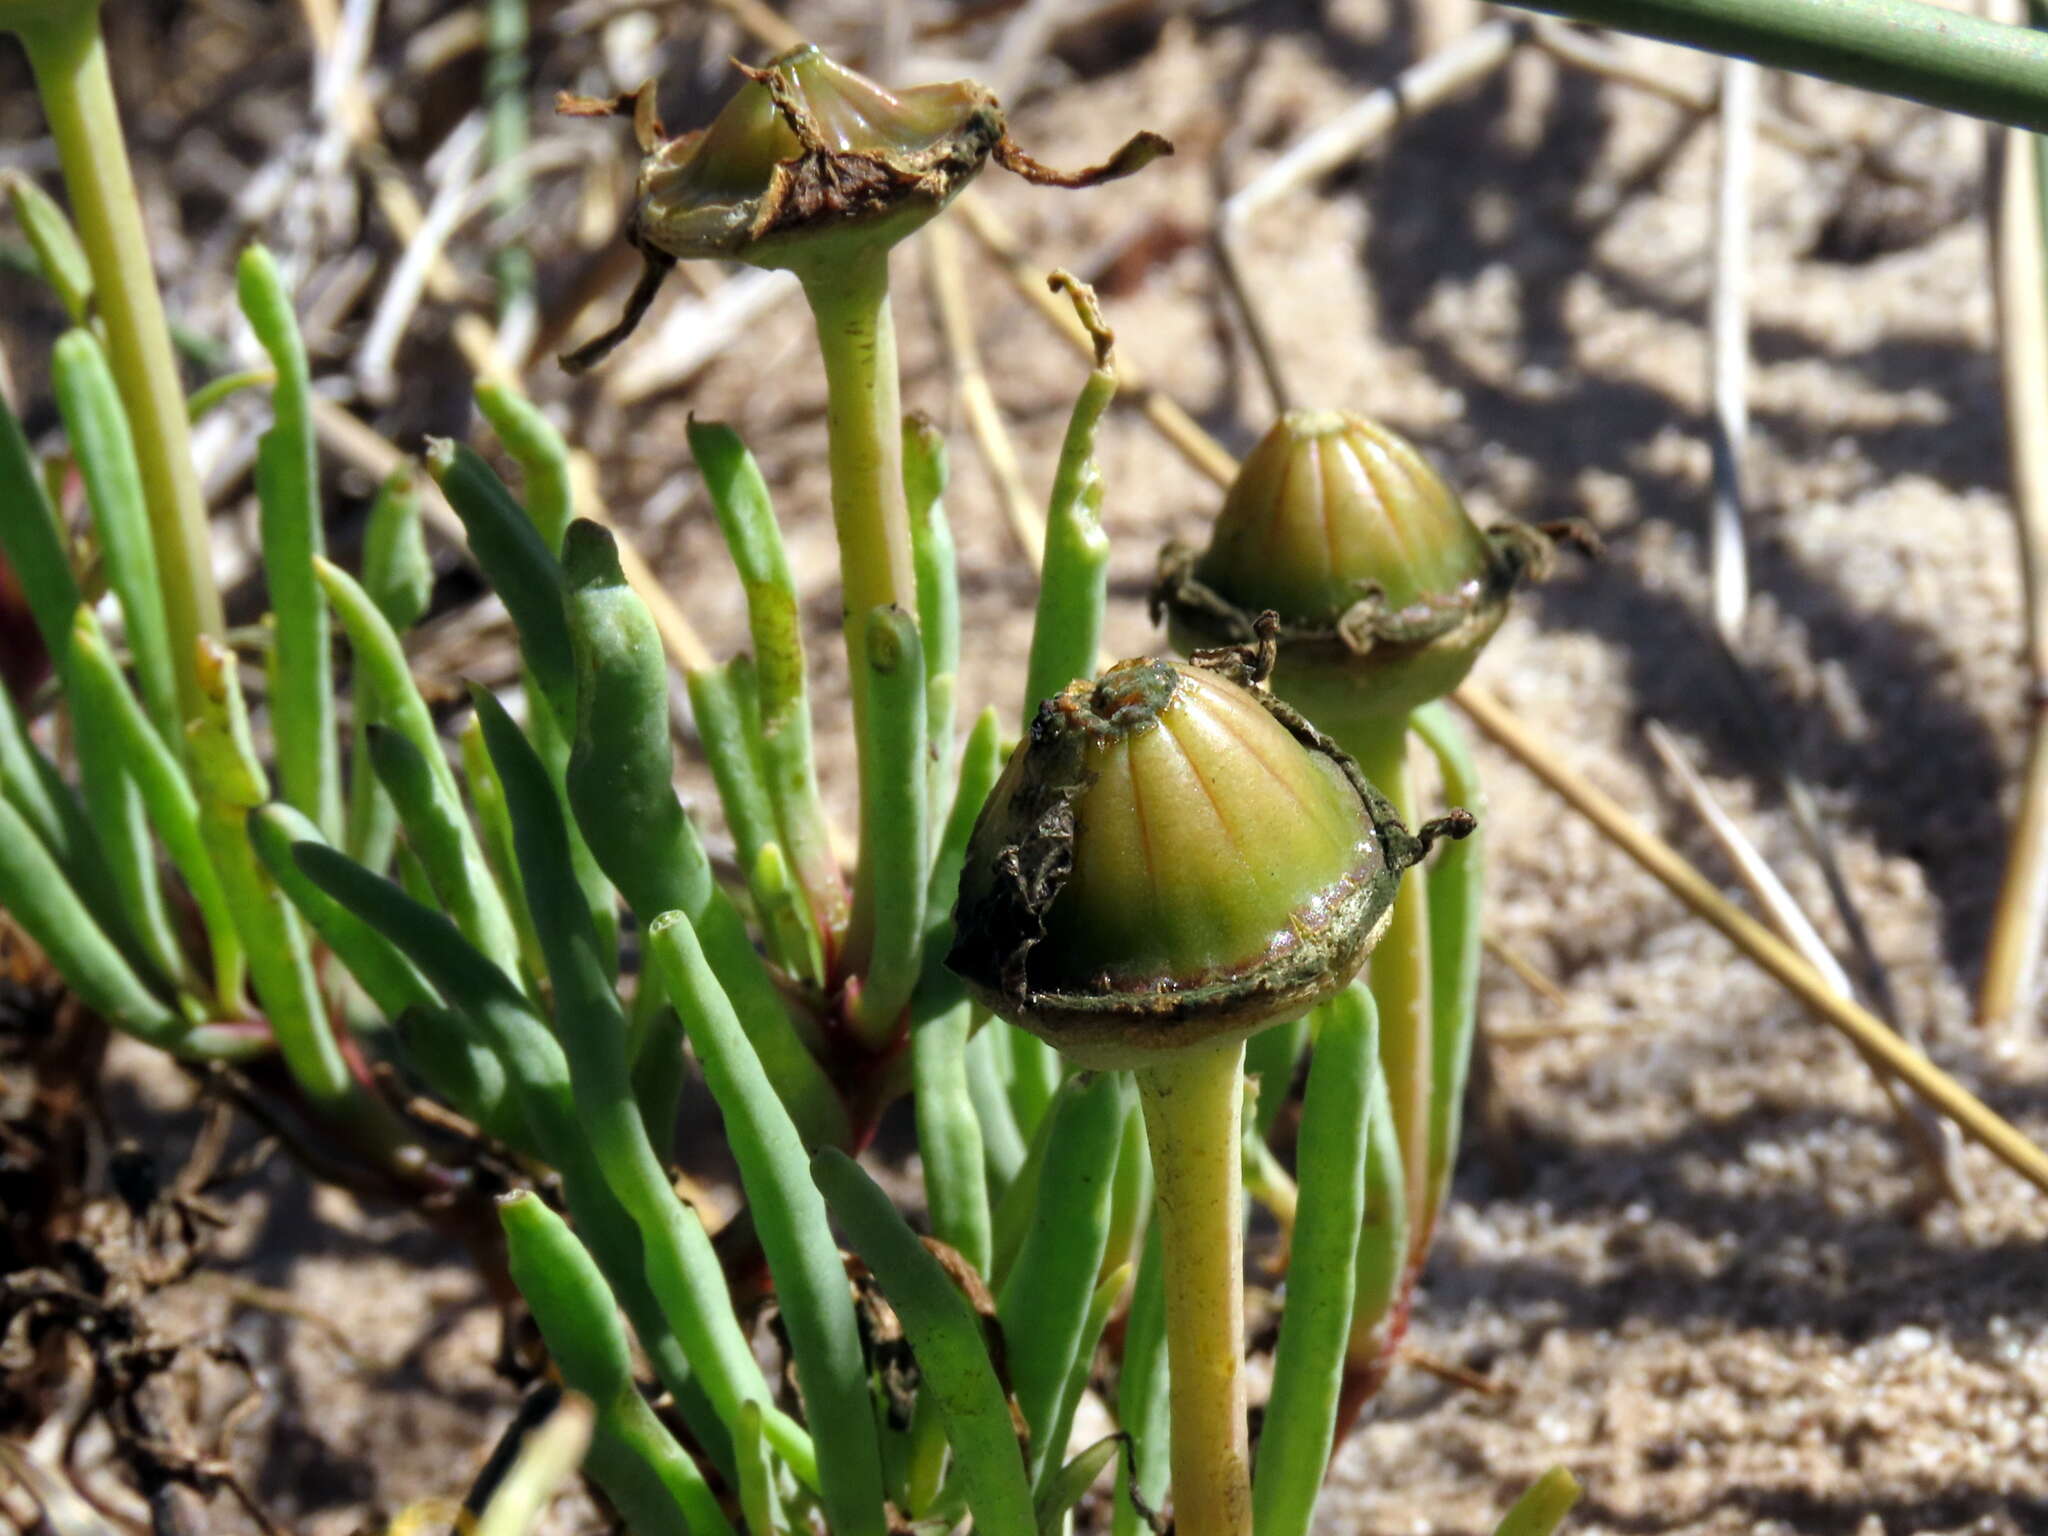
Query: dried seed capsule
point(1172, 857)
point(1386, 589)
point(810, 166)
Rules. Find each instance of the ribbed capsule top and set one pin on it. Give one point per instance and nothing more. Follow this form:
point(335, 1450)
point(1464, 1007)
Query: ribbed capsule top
point(1329, 503)
point(1208, 841)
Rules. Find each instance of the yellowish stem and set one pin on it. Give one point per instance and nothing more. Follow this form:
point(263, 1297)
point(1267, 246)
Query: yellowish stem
point(70, 62)
point(849, 299)
point(1399, 975)
point(1192, 1104)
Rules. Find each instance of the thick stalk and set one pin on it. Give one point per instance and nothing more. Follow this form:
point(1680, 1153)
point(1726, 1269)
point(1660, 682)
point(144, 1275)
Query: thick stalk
point(1192, 1106)
point(1399, 973)
point(69, 58)
point(864, 416)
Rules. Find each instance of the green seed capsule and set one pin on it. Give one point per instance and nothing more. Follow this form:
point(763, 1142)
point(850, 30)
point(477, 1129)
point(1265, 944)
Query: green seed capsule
point(1386, 589)
point(1172, 857)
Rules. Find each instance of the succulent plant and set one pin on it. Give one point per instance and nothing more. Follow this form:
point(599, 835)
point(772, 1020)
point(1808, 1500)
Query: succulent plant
point(1172, 860)
point(1385, 592)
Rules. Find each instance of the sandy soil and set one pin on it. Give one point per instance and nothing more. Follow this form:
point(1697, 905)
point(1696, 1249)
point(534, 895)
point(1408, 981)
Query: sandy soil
point(1691, 1257)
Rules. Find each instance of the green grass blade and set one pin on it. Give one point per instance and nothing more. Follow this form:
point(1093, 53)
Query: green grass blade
point(31, 783)
point(1045, 1298)
point(1457, 896)
point(105, 708)
point(893, 832)
point(1017, 1205)
point(1141, 1390)
point(925, 473)
point(398, 573)
point(1308, 1362)
point(215, 393)
point(1036, 1072)
point(746, 516)
point(288, 493)
point(494, 829)
point(1269, 1062)
point(945, 1334)
point(1130, 1201)
point(1055, 1491)
point(567, 1294)
point(36, 894)
point(949, 1138)
point(398, 578)
point(518, 564)
point(438, 830)
point(59, 256)
point(380, 660)
point(393, 982)
point(120, 825)
point(539, 451)
point(1383, 1241)
point(230, 783)
point(725, 703)
point(31, 539)
point(592, 1028)
point(1925, 53)
point(1074, 583)
point(789, 1217)
point(1066, 1487)
point(105, 449)
point(697, 1352)
point(1542, 1509)
point(785, 919)
point(760, 1500)
point(1002, 1142)
point(621, 785)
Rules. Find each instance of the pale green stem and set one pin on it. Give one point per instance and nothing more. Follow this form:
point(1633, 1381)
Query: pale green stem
point(1193, 1102)
point(1399, 971)
point(857, 337)
point(69, 58)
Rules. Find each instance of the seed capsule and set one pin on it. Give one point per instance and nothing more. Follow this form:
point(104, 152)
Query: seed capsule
point(1171, 857)
point(1386, 589)
point(810, 165)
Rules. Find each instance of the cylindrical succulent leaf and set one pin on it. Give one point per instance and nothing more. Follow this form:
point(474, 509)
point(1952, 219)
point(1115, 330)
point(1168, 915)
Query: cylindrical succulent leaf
point(1171, 857)
point(1386, 589)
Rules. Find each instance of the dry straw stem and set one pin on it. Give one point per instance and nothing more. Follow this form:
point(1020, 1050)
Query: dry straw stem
point(1929, 1134)
point(353, 440)
point(977, 400)
point(1572, 45)
point(2012, 962)
point(1658, 857)
point(1027, 276)
point(1729, 588)
point(1436, 78)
